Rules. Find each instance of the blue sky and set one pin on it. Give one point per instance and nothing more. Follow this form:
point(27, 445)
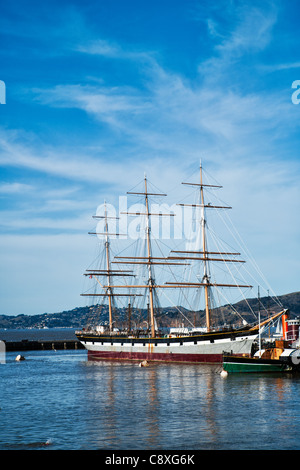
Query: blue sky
point(99, 92)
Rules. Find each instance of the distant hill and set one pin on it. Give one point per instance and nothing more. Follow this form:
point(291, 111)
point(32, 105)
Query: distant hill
point(169, 316)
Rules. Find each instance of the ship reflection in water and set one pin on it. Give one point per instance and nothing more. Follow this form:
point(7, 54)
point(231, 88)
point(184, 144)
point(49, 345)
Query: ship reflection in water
point(185, 407)
point(62, 401)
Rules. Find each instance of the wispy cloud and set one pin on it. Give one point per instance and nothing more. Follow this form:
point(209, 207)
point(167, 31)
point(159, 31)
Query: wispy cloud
point(282, 66)
point(171, 111)
point(105, 103)
point(249, 31)
point(14, 188)
point(249, 19)
point(122, 109)
point(100, 47)
point(47, 160)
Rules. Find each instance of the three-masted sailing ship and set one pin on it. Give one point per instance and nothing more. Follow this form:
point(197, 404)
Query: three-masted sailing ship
point(200, 345)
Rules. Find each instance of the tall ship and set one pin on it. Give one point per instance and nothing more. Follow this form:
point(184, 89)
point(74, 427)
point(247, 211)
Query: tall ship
point(133, 332)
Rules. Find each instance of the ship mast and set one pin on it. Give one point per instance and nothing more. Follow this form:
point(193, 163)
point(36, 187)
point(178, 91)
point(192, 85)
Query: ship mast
point(109, 290)
point(148, 260)
point(202, 255)
point(205, 255)
point(108, 272)
point(150, 276)
point(205, 262)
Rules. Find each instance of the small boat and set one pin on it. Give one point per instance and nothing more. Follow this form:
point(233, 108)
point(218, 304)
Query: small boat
point(280, 358)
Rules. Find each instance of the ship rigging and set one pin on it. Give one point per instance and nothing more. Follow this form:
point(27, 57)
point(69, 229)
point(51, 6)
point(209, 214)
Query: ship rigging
point(209, 345)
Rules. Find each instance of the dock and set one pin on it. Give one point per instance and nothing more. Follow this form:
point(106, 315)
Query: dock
point(29, 345)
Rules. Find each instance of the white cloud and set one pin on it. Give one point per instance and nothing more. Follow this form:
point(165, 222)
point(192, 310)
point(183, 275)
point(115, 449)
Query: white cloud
point(100, 47)
point(281, 66)
point(13, 188)
point(172, 114)
point(241, 39)
point(240, 29)
point(65, 164)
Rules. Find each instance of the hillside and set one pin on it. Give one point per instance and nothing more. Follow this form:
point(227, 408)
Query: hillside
point(81, 316)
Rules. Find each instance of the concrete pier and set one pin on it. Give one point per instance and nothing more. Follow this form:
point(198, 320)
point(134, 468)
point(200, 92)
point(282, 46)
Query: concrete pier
point(28, 345)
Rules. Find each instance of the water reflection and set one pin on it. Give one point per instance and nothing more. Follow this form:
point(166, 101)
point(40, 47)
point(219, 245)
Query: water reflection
point(169, 406)
point(153, 409)
point(60, 397)
point(263, 410)
point(149, 407)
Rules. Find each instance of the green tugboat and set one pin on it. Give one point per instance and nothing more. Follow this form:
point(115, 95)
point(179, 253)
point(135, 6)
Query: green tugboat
point(280, 358)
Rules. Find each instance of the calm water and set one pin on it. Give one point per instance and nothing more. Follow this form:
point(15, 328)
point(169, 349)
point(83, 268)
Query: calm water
point(62, 400)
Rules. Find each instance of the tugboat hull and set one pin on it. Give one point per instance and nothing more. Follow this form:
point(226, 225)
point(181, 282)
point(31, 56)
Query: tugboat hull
point(284, 360)
point(252, 364)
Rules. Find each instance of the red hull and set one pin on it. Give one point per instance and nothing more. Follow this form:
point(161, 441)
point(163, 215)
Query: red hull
point(156, 357)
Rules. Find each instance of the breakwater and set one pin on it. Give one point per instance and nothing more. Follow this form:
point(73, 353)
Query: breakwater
point(36, 345)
